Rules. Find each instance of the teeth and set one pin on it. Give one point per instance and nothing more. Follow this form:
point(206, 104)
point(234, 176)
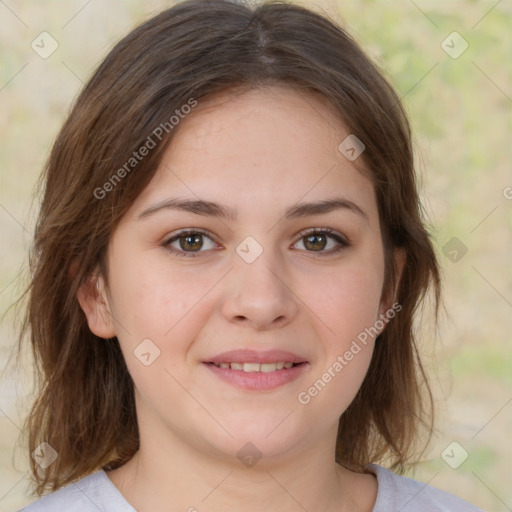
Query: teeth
point(251, 367)
point(256, 367)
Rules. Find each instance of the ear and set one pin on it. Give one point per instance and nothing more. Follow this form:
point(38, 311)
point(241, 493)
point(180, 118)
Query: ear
point(389, 298)
point(94, 302)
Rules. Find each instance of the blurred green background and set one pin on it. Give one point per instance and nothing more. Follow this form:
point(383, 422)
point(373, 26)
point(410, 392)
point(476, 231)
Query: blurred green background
point(460, 110)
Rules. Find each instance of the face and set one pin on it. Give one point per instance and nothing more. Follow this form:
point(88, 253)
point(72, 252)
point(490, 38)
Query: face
point(260, 272)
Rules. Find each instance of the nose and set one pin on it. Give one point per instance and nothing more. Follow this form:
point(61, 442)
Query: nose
point(259, 295)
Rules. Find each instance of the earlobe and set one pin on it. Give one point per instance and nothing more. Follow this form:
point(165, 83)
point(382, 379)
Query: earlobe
point(94, 302)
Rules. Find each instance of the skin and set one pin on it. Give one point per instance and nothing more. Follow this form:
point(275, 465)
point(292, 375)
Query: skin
point(259, 152)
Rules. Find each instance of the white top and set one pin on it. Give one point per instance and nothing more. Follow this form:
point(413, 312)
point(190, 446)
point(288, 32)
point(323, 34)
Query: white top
point(97, 493)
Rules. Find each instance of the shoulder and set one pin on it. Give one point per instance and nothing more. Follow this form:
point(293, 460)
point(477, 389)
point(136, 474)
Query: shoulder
point(92, 493)
point(397, 492)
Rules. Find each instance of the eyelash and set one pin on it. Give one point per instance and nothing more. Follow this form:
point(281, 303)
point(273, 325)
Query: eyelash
point(193, 254)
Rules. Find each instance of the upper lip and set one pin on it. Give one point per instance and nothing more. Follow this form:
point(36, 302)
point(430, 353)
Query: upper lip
point(252, 356)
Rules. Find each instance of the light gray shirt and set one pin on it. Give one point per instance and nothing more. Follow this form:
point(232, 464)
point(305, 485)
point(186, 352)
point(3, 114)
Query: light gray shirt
point(97, 493)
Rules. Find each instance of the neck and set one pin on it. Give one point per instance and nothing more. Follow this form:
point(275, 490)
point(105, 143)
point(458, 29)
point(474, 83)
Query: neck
point(156, 479)
point(175, 468)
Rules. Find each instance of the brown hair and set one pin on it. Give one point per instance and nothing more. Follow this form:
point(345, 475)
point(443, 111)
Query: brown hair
point(85, 405)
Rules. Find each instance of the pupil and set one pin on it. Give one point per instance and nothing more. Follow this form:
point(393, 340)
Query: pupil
point(196, 240)
point(315, 239)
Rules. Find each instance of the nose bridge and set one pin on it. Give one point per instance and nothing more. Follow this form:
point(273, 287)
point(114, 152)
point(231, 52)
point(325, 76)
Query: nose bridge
point(259, 293)
point(260, 260)
point(259, 267)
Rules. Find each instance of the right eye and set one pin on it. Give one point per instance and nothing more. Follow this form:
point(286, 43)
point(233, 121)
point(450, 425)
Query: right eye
point(190, 241)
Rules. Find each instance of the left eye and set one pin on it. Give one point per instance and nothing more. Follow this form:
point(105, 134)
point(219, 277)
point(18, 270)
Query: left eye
point(314, 240)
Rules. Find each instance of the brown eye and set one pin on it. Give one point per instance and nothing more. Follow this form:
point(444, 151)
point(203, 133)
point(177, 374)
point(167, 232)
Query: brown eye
point(189, 242)
point(317, 240)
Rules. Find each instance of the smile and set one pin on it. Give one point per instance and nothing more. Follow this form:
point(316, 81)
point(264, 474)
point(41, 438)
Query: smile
point(257, 376)
point(256, 367)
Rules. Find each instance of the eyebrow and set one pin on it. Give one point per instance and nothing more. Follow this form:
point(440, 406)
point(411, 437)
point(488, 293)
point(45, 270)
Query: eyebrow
point(209, 208)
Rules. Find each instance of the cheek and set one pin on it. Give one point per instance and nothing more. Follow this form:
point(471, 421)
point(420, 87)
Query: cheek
point(347, 312)
point(153, 300)
point(167, 307)
point(347, 299)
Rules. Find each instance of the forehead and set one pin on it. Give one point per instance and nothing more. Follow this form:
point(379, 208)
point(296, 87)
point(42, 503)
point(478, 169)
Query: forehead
point(268, 119)
point(260, 148)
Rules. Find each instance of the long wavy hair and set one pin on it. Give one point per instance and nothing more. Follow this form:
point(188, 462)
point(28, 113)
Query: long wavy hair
point(85, 406)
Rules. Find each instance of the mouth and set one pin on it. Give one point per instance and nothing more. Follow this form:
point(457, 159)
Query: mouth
point(250, 367)
point(257, 371)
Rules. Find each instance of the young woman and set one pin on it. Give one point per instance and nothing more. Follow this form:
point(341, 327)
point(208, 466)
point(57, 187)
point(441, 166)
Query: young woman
point(227, 262)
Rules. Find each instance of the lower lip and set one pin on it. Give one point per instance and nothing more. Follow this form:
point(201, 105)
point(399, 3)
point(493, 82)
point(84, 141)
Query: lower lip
point(258, 380)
